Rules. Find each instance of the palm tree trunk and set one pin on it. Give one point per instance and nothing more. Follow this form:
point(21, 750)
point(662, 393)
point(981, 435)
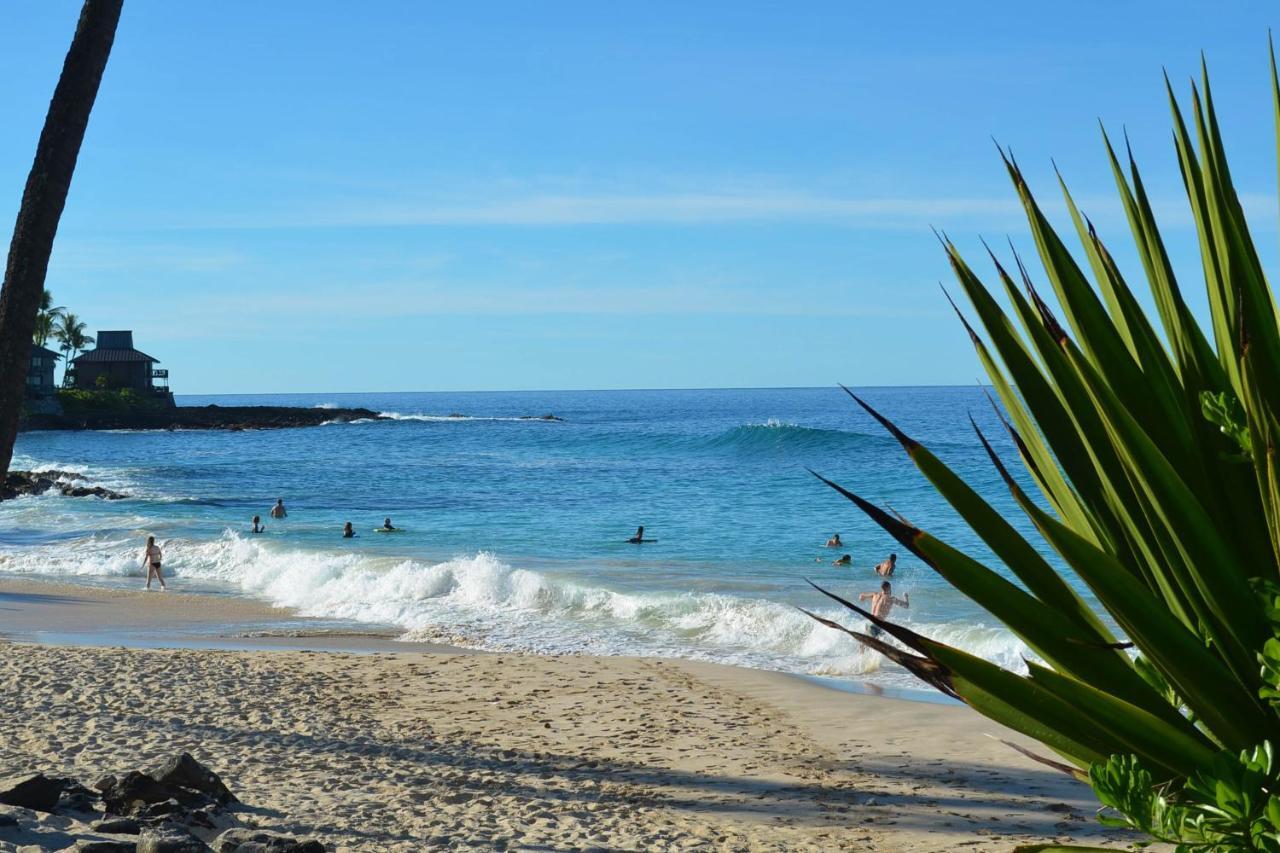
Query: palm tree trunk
point(42, 202)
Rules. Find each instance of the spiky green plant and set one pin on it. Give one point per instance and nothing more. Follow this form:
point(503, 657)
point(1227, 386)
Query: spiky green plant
point(1154, 450)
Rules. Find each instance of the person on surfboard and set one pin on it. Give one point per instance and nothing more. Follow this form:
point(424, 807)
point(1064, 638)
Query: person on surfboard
point(386, 524)
point(638, 538)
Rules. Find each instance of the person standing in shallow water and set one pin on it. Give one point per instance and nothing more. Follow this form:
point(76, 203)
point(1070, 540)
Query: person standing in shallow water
point(348, 532)
point(882, 604)
point(885, 567)
point(257, 524)
point(152, 556)
point(834, 541)
point(278, 510)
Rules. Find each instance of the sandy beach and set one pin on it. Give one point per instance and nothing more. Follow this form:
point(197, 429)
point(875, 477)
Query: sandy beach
point(369, 744)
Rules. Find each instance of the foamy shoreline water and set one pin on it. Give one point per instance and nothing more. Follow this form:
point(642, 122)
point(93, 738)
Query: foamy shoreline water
point(479, 601)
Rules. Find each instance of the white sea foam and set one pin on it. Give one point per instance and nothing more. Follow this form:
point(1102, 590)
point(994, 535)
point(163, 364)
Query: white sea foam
point(481, 601)
point(398, 416)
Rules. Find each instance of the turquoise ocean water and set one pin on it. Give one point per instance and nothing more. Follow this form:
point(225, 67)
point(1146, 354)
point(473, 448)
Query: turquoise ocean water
point(514, 530)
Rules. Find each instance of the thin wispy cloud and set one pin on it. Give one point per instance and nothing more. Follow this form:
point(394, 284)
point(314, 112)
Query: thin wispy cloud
point(689, 209)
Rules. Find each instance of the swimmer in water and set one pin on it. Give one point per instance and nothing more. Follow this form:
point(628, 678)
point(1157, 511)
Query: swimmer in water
point(885, 567)
point(834, 541)
point(844, 560)
point(278, 510)
point(639, 537)
point(386, 523)
point(257, 524)
point(348, 532)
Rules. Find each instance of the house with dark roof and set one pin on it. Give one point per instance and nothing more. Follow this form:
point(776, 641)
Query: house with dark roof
point(115, 364)
point(40, 372)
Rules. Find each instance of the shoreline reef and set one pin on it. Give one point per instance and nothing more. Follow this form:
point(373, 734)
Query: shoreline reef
point(232, 418)
point(391, 746)
point(211, 417)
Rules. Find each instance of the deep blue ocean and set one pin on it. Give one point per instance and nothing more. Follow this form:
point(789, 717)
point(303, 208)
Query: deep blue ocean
point(514, 530)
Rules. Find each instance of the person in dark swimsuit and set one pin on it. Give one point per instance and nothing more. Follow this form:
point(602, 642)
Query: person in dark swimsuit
point(348, 532)
point(639, 537)
point(151, 558)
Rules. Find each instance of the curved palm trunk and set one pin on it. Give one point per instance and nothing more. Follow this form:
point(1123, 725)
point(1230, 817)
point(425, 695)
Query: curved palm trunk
point(42, 202)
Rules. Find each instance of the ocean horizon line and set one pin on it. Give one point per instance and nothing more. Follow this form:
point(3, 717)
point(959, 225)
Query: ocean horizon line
point(834, 386)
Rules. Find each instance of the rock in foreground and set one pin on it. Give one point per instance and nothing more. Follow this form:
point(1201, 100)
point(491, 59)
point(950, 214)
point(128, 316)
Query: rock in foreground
point(180, 807)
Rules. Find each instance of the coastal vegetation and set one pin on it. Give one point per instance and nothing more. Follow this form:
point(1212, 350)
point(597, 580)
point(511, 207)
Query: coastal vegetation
point(43, 200)
point(56, 323)
point(1152, 443)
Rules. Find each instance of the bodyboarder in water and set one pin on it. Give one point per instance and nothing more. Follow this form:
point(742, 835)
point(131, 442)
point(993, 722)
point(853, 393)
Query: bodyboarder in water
point(882, 604)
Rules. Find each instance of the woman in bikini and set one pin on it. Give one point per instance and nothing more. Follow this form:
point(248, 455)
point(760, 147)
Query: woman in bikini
point(151, 558)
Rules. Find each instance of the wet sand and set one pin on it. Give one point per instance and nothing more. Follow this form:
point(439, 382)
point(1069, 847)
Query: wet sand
point(371, 744)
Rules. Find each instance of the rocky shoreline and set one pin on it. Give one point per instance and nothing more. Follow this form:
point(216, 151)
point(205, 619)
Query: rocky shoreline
point(233, 418)
point(66, 483)
point(179, 807)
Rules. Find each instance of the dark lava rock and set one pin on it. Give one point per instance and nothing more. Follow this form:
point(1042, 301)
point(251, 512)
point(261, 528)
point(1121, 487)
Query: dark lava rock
point(170, 839)
point(76, 798)
point(547, 417)
point(134, 792)
point(117, 826)
point(37, 483)
point(97, 846)
point(7, 819)
point(235, 418)
point(104, 783)
point(257, 841)
point(185, 771)
point(168, 807)
point(37, 792)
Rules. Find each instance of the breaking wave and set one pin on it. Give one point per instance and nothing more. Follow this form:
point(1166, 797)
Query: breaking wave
point(480, 601)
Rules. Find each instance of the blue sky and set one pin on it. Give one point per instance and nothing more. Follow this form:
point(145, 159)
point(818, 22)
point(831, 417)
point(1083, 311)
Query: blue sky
point(325, 196)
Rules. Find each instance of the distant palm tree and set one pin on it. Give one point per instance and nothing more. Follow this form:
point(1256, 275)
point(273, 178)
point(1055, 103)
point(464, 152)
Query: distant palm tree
point(46, 303)
point(70, 333)
point(44, 328)
point(46, 319)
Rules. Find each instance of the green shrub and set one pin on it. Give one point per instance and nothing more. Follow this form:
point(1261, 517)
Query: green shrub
point(78, 402)
point(1154, 451)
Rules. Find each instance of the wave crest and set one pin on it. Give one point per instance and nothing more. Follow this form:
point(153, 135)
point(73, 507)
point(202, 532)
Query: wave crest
point(479, 600)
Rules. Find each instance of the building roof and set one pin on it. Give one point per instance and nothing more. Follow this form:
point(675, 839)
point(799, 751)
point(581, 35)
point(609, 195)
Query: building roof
point(115, 340)
point(114, 346)
point(100, 354)
point(37, 350)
